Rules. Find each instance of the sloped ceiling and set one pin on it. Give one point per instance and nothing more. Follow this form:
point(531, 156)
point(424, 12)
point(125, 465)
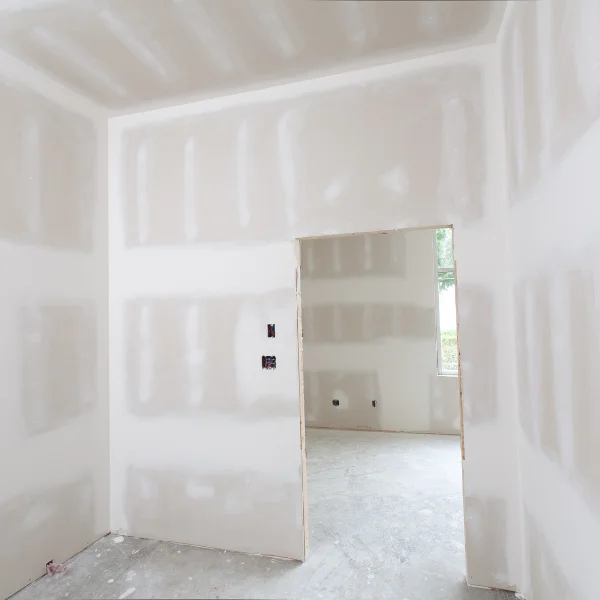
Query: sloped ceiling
point(125, 54)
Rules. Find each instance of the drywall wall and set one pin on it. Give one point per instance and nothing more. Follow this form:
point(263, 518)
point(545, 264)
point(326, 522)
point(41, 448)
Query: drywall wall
point(370, 334)
point(53, 325)
point(550, 60)
point(206, 200)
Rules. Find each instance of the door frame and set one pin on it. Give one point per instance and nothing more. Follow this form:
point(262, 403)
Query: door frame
point(297, 242)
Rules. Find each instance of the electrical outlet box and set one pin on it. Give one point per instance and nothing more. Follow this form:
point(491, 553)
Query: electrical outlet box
point(269, 362)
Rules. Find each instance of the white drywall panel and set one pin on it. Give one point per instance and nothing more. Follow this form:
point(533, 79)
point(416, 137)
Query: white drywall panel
point(226, 183)
point(129, 54)
point(550, 56)
point(369, 334)
point(53, 323)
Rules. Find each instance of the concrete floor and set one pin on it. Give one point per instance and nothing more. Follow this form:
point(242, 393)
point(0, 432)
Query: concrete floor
point(385, 517)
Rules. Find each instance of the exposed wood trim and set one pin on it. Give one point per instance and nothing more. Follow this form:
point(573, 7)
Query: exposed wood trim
point(301, 394)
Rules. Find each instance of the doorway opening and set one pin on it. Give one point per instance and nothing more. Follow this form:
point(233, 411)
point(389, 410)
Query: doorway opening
point(381, 413)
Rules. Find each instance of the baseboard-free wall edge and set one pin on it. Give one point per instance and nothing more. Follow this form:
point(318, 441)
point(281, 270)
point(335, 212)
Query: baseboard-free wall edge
point(45, 574)
point(517, 595)
point(139, 537)
point(413, 432)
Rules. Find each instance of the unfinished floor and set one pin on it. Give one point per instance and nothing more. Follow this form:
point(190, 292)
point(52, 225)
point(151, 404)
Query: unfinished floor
point(386, 521)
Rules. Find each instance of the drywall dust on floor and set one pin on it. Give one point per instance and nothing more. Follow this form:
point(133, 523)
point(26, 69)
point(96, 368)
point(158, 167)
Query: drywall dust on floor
point(385, 522)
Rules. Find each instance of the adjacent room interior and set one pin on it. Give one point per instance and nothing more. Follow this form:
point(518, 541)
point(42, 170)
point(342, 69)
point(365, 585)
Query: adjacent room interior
point(379, 332)
point(380, 354)
point(160, 160)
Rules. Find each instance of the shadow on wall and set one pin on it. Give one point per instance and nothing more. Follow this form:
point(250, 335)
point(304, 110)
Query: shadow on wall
point(544, 384)
point(59, 358)
point(47, 172)
point(48, 524)
point(584, 321)
point(329, 152)
point(537, 358)
point(238, 511)
point(478, 352)
point(547, 578)
point(187, 356)
point(444, 417)
point(487, 527)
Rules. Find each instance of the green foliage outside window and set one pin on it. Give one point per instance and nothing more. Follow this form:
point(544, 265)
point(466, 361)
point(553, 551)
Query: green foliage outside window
point(445, 257)
point(449, 350)
point(445, 264)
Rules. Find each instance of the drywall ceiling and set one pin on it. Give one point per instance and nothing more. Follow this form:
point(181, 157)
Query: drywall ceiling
point(125, 54)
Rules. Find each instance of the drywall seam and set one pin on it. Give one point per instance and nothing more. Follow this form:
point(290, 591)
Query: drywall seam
point(510, 7)
point(70, 278)
point(17, 70)
point(496, 21)
point(465, 56)
point(383, 61)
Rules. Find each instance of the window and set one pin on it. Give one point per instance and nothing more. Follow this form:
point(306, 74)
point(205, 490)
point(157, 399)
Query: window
point(446, 303)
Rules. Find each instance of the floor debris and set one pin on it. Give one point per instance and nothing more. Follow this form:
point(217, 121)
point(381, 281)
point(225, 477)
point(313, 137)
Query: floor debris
point(52, 567)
